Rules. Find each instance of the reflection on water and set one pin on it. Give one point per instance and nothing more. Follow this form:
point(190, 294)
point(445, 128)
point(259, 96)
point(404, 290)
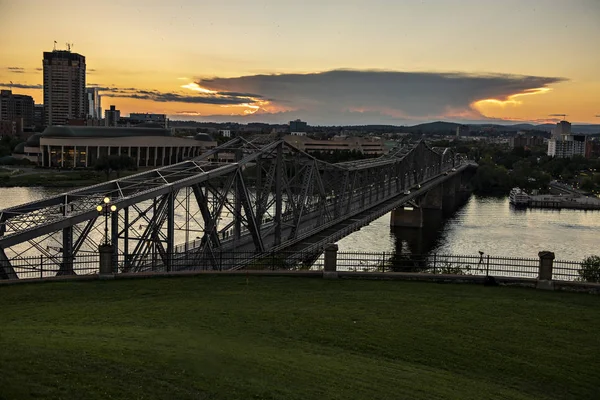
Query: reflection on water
point(490, 225)
point(20, 195)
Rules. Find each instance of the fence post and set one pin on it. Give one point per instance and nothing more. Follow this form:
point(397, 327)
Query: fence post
point(545, 271)
point(330, 264)
point(487, 266)
point(383, 263)
point(434, 262)
point(106, 261)
point(41, 266)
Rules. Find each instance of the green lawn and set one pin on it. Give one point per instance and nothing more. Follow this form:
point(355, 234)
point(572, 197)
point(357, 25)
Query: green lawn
point(295, 338)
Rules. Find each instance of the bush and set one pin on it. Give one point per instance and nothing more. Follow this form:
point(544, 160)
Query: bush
point(590, 269)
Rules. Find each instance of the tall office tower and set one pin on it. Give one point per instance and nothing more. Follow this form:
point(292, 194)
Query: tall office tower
point(92, 103)
point(99, 107)
point(64, 86)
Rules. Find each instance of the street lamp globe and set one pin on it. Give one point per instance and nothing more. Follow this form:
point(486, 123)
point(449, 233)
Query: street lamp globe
point(99, 208)
point(113, 208)
point(106, 200)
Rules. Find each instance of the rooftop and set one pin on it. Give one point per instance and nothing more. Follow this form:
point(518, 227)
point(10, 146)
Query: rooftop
point(95, 132)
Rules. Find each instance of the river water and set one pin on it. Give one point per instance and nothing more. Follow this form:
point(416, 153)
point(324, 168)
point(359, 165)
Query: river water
point(483, 224)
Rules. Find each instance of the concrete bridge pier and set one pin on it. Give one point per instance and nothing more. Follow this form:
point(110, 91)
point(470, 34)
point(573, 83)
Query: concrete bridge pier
point(429, 206)
point(451, 197)
point(407, 217)
point(440, 200)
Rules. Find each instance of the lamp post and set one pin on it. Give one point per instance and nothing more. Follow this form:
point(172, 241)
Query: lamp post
point(106, 248)
point(106, 209)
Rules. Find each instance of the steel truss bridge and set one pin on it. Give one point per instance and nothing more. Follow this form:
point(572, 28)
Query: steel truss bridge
point(274, 197)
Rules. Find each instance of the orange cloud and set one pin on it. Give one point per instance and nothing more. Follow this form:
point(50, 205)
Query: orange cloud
point(512, 100)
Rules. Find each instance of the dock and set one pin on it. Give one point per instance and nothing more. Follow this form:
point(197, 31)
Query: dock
point(571, 201)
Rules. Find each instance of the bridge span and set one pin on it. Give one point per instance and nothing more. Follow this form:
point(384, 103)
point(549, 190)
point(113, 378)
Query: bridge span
point(273, 198)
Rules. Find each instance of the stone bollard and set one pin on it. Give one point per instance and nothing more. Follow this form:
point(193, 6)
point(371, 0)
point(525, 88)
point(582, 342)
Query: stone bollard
point(330, 265)
point(545, 272)
point(106, 261)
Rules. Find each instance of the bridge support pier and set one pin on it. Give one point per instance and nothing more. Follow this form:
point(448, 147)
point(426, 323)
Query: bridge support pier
point(407, 217)
point(451, 200)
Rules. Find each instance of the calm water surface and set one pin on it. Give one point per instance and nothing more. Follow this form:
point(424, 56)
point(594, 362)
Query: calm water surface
point(490, 225)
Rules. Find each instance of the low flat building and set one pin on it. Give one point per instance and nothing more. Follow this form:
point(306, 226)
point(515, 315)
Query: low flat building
point(140, 118)
point(364, 145)
point(81, 146)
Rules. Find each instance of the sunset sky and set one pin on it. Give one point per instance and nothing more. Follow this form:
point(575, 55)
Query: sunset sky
point(325, 61)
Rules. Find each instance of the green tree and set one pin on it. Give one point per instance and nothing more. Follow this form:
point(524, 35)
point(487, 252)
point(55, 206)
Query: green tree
point(590, 269)
point(116, 163)
point(491, 179)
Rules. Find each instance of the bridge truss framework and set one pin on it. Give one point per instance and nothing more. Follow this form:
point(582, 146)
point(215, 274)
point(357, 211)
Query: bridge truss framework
point(271, 197)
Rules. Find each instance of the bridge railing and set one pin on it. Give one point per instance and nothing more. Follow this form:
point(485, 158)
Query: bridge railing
point(44, 267)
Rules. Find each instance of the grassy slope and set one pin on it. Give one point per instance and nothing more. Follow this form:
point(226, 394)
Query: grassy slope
point(295, 338)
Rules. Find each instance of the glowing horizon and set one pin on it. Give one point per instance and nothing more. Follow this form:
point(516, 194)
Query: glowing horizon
point(165, 59)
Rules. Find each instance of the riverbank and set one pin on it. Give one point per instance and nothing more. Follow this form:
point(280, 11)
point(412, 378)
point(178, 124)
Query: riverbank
point(32, 177)
point(295, 338)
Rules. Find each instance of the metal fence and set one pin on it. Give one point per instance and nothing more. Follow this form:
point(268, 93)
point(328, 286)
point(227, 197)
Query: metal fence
point(566, 270)
point(46, 267)
point(478, 264)
point(439, 264)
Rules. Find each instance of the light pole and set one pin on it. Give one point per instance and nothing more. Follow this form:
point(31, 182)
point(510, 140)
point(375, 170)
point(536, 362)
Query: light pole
point(106, 248)
point(106, 209)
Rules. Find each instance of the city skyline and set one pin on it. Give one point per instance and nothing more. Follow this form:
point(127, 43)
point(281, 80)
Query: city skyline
point(334, 63)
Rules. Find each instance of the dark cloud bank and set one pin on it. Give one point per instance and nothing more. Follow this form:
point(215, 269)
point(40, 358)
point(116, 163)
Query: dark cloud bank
point(344, 96)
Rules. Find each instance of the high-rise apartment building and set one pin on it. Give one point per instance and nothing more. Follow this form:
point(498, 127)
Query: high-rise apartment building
point(298, 126)
point(16, 106)
point(563, 144)
point(93, 108)
point(562, 128)
point(64, 87)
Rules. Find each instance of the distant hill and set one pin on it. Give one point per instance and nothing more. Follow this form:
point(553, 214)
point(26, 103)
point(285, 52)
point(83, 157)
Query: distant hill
point(437, 127)
point(433, 127)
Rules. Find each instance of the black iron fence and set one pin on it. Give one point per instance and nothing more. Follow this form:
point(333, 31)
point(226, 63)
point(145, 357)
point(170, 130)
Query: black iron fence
point(439, 264)
point(478, 264)
point(563, 270)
